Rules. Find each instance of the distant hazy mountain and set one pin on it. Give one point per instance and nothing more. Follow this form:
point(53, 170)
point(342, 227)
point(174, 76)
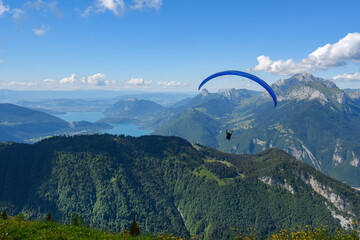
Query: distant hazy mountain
point(170, 186)
point(68, 105)
point(134, 111)
point(84, 100)
point(354, 95)
point(216, 104)
point(315, 121)
point(21, 124)
point(13, 96)
point(164, 99)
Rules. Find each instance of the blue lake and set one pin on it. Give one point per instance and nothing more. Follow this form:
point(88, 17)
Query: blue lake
point(126, 129)
point(81, 116)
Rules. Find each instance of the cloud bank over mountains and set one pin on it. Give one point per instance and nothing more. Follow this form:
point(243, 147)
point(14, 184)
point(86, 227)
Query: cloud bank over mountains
point(325, 57)
point(95, 81)
point(346, 77)
point(138, 82)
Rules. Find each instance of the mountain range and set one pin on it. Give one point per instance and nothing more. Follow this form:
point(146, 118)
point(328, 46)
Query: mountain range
point(169, 185)
point(315, 121)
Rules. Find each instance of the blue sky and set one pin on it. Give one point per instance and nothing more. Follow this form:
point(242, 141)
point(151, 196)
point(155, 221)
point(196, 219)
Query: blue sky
point(172, 45)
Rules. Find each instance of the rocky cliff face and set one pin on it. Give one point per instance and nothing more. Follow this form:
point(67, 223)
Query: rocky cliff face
point(304, 93)
point(354, 94)
point(301, 125)
point(276, 182)
point(338, 205)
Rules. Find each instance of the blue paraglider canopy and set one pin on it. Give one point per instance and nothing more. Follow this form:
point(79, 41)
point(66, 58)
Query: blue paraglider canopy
point(242, 74)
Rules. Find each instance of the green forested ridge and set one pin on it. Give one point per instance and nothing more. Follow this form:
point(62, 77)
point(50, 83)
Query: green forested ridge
point(168, 184)
point(190, 125)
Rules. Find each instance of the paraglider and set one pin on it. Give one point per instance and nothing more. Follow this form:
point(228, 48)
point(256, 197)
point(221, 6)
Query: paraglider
point(242, 74)
point(228, 134)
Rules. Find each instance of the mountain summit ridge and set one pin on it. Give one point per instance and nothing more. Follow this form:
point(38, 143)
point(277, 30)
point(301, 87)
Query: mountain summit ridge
point(304, 86)
point(304, 78)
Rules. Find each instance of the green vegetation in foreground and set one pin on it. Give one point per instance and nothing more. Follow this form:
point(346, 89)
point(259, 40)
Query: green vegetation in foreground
point(19, 228)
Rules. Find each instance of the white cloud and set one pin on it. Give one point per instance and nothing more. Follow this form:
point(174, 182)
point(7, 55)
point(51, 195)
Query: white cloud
point(138, 82)
point(2, 60)
point(118, 6)
point(98, 79)
point(3, 8)
point(347, 77)
point(86, 12)
point(20, 84)
point(49, 81)
point(49, 6)
point(69, 80)
point(17, 85)
point(330, 55)
point(139, 4)
point(38, 4)
point(280, 67)
point(17, 13)
point(115, 6)
point(52, 6)
point(41, 31)
point(169, 84)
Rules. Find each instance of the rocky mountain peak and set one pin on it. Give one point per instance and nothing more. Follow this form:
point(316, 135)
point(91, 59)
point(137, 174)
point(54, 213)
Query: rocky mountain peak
point(302, 78)
point(129, 99)
point(229, 93)
point(204, 92)
point(305, 86)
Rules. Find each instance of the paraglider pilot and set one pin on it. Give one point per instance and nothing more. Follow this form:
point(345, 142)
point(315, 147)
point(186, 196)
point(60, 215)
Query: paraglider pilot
point(228, 134)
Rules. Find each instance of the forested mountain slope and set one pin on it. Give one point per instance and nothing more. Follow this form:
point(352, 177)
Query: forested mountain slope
point(169, 185)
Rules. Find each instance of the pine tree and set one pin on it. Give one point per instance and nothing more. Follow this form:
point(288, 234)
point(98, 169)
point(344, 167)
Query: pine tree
point(74, 219)
point(134, 228)
point(4, 215)
point(49, 218)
